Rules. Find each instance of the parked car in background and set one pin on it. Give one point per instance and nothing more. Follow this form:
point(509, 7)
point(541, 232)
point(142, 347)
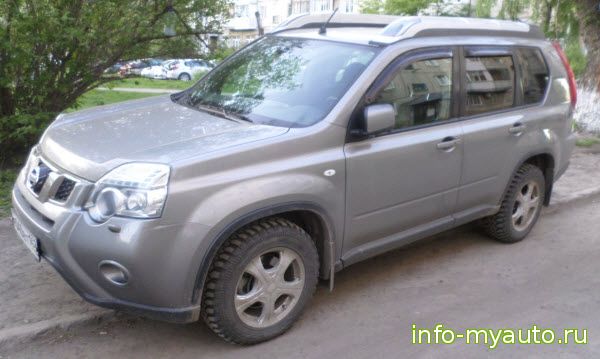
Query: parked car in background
point(136, 67)
point(157, 71)
point(114, 68)
point(185, 69)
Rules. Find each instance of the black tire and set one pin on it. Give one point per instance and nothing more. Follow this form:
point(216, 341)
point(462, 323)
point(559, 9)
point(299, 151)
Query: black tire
point(184, 77)
point(218, 308)
point(500, 226)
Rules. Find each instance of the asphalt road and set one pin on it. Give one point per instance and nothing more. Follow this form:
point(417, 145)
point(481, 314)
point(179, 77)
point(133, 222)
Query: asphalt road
point(460, 279)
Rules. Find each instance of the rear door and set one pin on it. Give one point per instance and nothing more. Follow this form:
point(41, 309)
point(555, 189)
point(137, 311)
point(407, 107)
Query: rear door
point(501, 114)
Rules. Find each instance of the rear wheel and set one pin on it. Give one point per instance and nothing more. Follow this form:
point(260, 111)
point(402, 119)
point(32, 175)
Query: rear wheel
point(185, 77)
point(260, 281)
point(520, 207)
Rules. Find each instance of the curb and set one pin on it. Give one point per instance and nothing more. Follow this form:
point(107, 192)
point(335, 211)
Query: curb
point(575, 197)
point(25, 333)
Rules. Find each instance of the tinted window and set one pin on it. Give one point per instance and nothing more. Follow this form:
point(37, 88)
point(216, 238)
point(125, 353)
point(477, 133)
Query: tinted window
point(490, 84)
point(535, 75)
point(282, 81)
point(420, 93)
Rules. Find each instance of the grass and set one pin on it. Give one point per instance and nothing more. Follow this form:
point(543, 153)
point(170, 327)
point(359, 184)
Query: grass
point(99, 98)
point(143, 82)
point(7, 179)
point(587, 141)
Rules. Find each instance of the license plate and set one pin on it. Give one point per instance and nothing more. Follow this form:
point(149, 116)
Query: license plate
point(30, 241)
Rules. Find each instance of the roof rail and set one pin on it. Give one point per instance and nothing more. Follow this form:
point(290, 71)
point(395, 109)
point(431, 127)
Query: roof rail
point(396, 28)
point(423, 26)
point(303, 21)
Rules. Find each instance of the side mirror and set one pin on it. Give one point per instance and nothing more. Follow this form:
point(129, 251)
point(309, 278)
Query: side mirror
point(379, 117)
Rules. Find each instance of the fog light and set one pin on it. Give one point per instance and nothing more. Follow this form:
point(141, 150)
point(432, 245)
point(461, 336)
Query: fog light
point(114, 272)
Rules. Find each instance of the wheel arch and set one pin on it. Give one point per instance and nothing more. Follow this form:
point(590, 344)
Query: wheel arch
point(544, 160)
point(309, 216)
point(185, 73)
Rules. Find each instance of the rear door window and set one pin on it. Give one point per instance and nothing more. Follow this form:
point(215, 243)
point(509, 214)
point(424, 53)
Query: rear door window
point(490, 84)
point(534, 79)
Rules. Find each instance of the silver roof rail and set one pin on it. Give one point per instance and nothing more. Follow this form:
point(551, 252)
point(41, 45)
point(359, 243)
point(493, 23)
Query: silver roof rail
point(303, 21)
point(396, 28)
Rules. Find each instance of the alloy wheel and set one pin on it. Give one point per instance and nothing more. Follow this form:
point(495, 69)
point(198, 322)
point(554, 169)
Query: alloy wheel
point(269, 287)
point(527, 203)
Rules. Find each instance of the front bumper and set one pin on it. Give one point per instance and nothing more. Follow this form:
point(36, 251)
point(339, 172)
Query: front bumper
point(157, 256)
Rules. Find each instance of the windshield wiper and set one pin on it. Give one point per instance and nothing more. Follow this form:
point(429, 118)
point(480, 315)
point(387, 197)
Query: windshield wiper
point(237, 116)
point(219, 111)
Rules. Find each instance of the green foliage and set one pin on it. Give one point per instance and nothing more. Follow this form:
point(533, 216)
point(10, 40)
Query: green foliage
point(52, 52)
point(449, 9)
point(372, 7)
point(221, 52)
point(576, 57)
point(405, 7)
point(560, 20)
point(511, 9)
point(7, 179)
point(588, 141)
point(18, 133)
point(483, 8)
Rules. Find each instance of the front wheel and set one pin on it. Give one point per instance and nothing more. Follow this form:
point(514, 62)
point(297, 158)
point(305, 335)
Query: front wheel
point(520, 207)
point(260, 281)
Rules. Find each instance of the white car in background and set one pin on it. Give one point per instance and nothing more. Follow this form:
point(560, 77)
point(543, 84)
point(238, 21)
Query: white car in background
point(158, 72)
point(185, 69)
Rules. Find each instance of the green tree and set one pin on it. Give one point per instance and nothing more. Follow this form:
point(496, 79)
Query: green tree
point(560, 19)
point(483, 8)
point(405, 7)
point(588, 12)
point(53, 51)
point(511, 9)
point(372, 7)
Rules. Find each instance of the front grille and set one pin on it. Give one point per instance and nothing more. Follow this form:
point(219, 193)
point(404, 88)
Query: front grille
point(48, 183)
point(64, 190)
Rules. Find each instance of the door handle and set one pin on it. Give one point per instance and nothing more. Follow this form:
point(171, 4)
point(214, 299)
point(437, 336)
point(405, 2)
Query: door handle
point(517, 129)
point(448, 144)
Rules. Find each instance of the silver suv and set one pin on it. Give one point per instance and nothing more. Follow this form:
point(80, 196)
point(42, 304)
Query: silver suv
point(311, 149)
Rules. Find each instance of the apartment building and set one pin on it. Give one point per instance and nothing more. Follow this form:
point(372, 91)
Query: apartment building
point(242, 27)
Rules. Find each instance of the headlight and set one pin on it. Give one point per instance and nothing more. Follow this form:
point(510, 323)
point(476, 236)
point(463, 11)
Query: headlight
point(136, 190)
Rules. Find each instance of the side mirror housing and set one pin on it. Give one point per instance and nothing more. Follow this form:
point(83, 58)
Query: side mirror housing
point(379, 117)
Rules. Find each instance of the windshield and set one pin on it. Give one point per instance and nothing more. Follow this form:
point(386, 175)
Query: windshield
point(281, 81)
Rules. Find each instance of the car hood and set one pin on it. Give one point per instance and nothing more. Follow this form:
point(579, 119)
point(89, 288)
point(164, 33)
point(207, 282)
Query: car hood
point(90, 143)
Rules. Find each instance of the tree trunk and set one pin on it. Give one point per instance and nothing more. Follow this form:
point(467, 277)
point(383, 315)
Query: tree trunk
point(7, 105)
point(590, 31)
point(547, 17)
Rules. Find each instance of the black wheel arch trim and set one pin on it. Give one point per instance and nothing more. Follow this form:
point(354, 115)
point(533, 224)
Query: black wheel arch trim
point(218, 240)
point(548, 174)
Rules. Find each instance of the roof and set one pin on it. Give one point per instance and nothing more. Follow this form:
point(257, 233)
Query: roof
point(388, 29)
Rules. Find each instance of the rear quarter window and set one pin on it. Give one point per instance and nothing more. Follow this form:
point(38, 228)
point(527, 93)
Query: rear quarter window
point(535, 76)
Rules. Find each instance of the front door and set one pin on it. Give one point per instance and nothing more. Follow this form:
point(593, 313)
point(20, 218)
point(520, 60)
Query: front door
point(405, 182)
